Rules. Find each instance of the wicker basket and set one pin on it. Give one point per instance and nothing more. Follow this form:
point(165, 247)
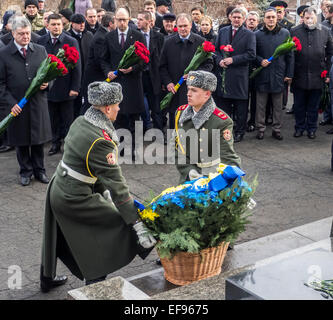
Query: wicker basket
point(185, 267)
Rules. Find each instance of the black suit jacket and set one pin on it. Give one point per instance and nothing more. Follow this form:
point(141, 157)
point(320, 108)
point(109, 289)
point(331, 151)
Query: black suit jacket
point(8, 37)
point(88, 28)
point(72, 81)
point(131, 82)
point(42, 32)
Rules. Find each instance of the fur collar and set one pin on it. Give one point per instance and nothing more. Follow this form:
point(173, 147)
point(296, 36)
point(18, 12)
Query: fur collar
point(98, 119)
point(201, 117)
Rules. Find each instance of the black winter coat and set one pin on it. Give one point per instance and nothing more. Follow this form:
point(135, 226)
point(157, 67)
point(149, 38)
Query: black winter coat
point(271, 78)
point(315, 56)
point(131, 83)
point(72, 81)
point(175, 58)
point(211, 36)
point(32, 126)
point(237, 74)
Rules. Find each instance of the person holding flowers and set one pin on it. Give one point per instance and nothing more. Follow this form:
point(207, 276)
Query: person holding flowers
point(183, 45)
point(19, 62)
point(235, 49)
point(130, 78)
point(310, 62)
point(271, 80)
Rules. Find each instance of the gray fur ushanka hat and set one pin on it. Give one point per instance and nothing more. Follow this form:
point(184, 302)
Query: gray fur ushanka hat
point(202, 79)
point(104, 93)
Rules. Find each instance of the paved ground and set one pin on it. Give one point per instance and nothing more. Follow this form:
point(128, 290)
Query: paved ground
point(295, 188)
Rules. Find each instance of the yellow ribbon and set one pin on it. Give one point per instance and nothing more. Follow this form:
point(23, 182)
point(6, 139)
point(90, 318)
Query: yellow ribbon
point(177, 140)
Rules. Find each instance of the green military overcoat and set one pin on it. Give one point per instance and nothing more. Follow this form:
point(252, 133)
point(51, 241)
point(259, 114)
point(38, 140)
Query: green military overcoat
point(208, 146)
point(92, 236)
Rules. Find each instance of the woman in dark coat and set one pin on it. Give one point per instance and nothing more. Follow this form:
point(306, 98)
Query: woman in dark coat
point(206, 29)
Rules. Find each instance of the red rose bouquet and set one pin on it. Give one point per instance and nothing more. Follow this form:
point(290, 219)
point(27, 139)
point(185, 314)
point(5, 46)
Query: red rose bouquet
point(290, 44)
point(202, 53)
point(50, 68)
point(325, 98)
point(133, 55)
point(226, 50)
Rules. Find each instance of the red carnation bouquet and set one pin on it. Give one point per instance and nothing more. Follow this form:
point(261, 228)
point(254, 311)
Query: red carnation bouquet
point(203, 52)
point(290, 44)
point(133, 55)
point(325, 98)
point(50, 68)
point(226, 50)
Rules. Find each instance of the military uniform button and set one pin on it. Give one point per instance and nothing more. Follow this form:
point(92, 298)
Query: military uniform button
point(64, 173)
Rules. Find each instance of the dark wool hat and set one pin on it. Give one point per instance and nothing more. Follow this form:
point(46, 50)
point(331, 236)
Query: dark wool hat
point(202, 79)
point(162, 3)
point(67, 13)
point(30, 3)
point(104, 93)
point(6, 17)
point(169, 16)
point(77, 18)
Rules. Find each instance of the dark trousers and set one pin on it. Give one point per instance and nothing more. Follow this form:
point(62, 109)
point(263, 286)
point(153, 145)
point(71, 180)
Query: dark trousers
point(153, 102)
point(306, 109)
point(61, 116)
point(253, 103)
point(31, 160)
point(240, 108)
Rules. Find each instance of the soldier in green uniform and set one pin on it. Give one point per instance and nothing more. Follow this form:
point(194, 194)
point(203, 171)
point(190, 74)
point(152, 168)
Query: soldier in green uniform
point(92, 232)
point(31, 13)
point(203, 132)
point(280, 7)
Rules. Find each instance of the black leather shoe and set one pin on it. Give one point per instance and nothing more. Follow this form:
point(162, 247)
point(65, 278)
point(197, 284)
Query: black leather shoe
point(260, 135)
point(298, 134)
point(46, 284)
point(290, 111)
point(158, 262)
point(42, 177)
point(325, 122)
point(311, 135)
point(54, 149)
point(5, 148)
point(238, 138)
point(277, 135)
point(330, 131)
point(25, 181)
point(250, 128)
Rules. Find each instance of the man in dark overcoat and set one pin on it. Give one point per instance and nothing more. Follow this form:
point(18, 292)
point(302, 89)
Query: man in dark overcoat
point(234, 95)
point(31, 128)
point(84, 38)
point(310, 62)
point(92, 233)
point(271, 80)
point(64, 89)
point(93, 71)
point(177, 53)
point(116, 43)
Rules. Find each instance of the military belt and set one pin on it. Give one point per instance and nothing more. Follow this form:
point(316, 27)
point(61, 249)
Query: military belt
point(76, 175)
point(209, 164)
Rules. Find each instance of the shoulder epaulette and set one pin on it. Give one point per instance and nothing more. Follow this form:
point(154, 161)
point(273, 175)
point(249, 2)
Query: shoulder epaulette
point(106, 136)
point(220, 114)
point(183, 107)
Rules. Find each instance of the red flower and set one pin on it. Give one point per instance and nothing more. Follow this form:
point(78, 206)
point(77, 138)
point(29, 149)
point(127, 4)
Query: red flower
point(297, 44)
point(208, 46)
point(71, 54)
point(227, 48)
point(175, 29)
point(324, 74)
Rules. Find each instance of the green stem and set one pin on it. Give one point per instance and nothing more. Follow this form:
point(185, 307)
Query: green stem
point(5, 123)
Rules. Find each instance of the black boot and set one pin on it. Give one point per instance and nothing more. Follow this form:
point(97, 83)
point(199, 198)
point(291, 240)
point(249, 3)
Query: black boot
point(46, 283)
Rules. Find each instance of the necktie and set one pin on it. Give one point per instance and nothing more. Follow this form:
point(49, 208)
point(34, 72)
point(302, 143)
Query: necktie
point(24, 52)
point(122, 40)
point(233, 33)
point(54, 40)
point(147, 40)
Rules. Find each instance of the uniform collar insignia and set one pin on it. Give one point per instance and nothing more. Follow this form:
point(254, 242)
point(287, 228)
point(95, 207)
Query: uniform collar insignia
point(201, 117)
point(98, 119)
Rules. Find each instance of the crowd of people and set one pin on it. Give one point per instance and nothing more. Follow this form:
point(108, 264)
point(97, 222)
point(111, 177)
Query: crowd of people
point(102, 35)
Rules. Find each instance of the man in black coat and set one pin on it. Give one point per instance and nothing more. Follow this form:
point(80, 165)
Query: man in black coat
point(93, 70)
point(91, 20)
point(84, 38)
point(177, 53)
point(116, 43)
point(151, 76)
point(31, 128)
point(161, 10)
point(235, 66)
point(44, 31)
point(65, 89)
point(315, 57)
point(197, 13)
point(271, 80)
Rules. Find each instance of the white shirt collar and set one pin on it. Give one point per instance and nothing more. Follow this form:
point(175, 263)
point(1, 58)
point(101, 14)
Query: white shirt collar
point(19, 47)
point(124, 32)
